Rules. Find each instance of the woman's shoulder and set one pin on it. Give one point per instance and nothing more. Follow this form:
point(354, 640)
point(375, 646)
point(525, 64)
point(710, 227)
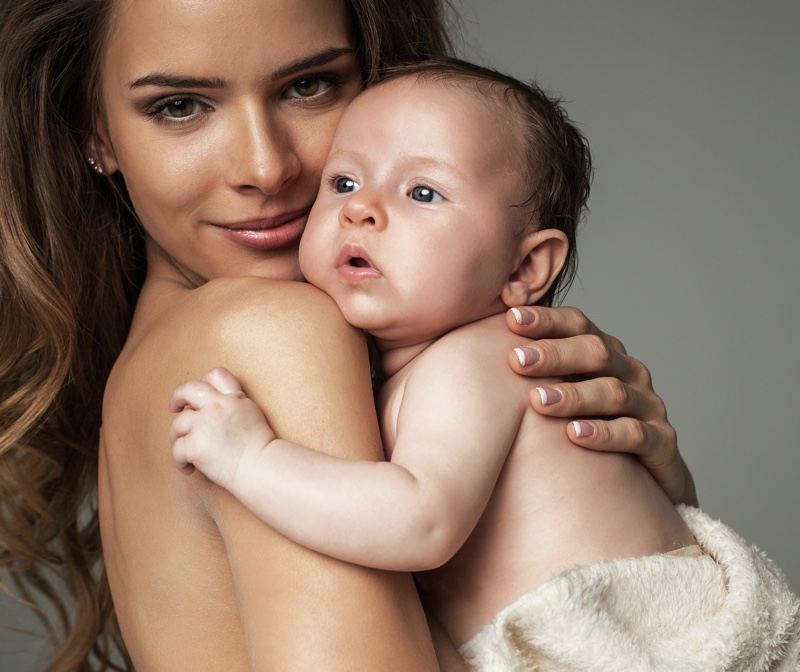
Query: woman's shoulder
point(248, 308)
point(245, 324)
point(259, 297)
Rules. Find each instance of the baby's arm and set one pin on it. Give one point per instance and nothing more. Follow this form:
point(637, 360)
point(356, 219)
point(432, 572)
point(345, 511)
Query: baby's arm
point(408, 515)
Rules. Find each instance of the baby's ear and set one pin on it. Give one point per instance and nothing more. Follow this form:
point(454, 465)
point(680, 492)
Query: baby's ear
point(542, 255)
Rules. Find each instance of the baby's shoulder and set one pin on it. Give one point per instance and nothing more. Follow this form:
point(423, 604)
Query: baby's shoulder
point(477, 352)
point(485, 341)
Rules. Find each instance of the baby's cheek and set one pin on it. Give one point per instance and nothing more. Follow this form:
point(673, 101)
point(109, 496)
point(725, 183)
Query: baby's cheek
point(311, 254)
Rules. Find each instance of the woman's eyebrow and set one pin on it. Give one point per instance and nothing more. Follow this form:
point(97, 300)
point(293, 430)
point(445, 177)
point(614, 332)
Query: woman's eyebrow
point(309, 62)
point(165, 80)
point(178, 81)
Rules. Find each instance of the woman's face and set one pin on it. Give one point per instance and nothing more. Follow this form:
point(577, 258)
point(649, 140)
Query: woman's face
point(219, 114)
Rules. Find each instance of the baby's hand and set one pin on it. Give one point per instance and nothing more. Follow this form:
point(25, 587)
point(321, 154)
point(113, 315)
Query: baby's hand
point(215, 427)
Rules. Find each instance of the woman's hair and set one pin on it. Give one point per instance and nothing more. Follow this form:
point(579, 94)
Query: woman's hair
point(555, 155)
point(71, 264)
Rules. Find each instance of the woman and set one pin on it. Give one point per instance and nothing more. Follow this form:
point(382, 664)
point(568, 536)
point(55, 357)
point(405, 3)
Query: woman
point(210, 121)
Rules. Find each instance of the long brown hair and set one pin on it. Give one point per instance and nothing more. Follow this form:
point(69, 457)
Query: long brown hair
point(70, 271)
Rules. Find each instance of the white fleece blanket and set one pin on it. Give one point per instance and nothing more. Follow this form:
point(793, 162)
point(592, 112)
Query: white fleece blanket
point(730, 610)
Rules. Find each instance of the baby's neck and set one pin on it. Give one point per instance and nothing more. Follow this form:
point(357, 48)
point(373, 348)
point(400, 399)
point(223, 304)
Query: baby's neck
point(395, 356)
point(396, 353)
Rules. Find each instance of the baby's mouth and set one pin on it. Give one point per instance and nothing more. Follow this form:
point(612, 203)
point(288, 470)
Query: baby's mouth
point(355, 265)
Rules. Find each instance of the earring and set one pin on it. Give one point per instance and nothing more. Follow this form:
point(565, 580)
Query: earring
point(96, 165)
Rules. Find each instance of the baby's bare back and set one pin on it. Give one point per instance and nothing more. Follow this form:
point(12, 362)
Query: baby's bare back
point(554, 506)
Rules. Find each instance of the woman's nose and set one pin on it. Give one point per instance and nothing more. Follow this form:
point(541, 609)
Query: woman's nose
point(363, 209)
point(264, 156)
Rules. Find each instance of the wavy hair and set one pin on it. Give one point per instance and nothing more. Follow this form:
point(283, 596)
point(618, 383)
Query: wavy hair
point(71, 265)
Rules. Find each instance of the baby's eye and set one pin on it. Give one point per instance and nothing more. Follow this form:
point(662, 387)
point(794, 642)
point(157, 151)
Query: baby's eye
point(344, 185)
point(425, 195)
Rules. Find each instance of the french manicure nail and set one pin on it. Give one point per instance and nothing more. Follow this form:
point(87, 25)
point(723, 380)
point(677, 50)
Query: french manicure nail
point(549, 395)
point(522, 316)
point(583, 429)
point(527, 355)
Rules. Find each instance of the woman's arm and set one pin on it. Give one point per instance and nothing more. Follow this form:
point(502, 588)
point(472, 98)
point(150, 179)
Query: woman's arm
point(610, 389)
point(307, 369)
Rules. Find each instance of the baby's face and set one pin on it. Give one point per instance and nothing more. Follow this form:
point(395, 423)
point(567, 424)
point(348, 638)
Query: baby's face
point(414, 232)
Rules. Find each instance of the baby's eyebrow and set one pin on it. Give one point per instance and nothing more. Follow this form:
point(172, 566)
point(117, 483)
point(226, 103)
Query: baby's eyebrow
point(431, 162)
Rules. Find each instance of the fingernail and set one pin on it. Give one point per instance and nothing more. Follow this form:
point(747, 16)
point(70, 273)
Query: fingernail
point(522, 316)
point(549, 395)
point(583, 429)
point(527, 355)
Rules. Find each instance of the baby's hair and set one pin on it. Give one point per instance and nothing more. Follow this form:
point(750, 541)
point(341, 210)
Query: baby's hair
point(556, 155)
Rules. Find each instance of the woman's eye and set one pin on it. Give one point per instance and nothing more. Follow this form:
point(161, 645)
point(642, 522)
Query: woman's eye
point(308, 87)
point(344, 185)
point(425, 195)
point(180, 108)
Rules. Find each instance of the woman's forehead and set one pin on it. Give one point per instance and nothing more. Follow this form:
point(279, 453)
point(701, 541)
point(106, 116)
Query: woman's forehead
point(221, 36)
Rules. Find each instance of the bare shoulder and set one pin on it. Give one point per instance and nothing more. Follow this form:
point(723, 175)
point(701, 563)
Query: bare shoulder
point(238, 310)
point(479, 348)
point(252, 326)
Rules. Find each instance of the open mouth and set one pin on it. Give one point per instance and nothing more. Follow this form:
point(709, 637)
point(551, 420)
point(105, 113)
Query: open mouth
point(354, 265)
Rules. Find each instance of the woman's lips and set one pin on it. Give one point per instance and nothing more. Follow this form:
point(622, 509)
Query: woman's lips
point(267, 234)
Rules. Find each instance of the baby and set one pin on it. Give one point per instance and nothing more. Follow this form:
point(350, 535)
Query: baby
point(450, 194)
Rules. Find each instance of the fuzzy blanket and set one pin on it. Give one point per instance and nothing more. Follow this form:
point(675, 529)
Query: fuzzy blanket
point(730, 610)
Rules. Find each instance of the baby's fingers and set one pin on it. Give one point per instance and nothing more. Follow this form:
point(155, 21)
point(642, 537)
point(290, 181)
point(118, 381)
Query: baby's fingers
point(223, 381)
point(181, 425)
point(195, 394)
point(179, 456)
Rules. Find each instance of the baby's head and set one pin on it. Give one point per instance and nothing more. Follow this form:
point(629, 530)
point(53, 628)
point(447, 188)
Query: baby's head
point(450, 192)
point(553, 155)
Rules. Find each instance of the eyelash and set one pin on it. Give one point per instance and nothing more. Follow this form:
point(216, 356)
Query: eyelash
point(438, 195)
point(333, 81)
point(156, 110)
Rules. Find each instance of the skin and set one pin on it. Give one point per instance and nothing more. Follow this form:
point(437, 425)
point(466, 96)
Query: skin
point(413, 234)
point(226, 591)
point(417, 240)
point(220, 132)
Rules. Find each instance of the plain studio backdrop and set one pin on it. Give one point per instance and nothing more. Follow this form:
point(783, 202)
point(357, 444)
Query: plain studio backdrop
point(689, 254)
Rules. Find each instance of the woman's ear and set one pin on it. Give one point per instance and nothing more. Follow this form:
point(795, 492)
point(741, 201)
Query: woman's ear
point(542, 256)
point(99, 152)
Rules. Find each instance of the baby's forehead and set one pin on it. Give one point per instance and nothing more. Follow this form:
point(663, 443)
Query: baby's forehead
point(489, 105)
point(472, 92)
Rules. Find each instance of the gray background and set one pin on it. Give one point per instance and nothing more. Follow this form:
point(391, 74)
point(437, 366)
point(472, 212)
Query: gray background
point(689, 254)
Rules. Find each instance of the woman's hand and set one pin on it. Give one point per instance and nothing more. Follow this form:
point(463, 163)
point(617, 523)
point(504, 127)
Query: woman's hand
point(609, 395)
